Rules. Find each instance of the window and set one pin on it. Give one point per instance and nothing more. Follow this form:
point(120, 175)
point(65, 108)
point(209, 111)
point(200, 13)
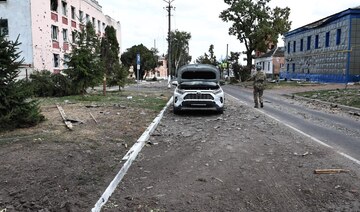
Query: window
point(316, 41)
point(268, 66)
point(65, 35)
point(54, 5)
point(288, 48)
point(87, 18)
point(294, 46)
point(327, 39)
point(54, 32)
point(93, 22)
point(81, 16)
point(104, 26)
point(308, 42)
point(338, 36)
point(56, 60)
point(99, 26)
point(65, 61)
point(302, 45)
point(73, 36)
point(64, 8)
point(4, 29)
point(293, 67)
point(73, 12)
point(287, 67)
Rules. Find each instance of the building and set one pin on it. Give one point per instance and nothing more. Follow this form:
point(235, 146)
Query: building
point(160, 72)
point(271, 62)
point(327, 50)
point(46, 29)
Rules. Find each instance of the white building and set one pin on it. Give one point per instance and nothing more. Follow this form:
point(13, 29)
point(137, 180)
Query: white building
point(46, 29)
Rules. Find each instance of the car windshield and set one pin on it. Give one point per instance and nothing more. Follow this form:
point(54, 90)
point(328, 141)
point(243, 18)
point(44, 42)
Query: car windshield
point(199, 85)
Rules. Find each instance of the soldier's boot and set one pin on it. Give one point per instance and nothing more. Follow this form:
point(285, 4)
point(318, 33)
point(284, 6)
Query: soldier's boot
point(261, 104)
point(256, 106)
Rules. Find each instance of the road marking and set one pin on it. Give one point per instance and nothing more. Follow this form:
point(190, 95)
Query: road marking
point(301, 132)
point(129, 157)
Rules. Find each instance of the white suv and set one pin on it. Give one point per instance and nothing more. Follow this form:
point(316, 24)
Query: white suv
point(198, 88)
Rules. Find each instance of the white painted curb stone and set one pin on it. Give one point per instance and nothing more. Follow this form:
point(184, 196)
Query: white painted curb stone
point(129, 157)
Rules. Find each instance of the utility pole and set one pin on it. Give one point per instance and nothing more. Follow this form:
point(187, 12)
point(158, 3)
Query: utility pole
point(168, 8)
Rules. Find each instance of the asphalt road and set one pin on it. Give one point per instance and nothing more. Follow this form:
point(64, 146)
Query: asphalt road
point(339, 132)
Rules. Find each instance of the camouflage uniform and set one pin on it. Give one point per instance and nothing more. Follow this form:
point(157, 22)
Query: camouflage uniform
point(259, 87)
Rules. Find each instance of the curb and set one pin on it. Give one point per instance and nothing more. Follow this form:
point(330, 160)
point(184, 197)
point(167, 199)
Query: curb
point(129, 157)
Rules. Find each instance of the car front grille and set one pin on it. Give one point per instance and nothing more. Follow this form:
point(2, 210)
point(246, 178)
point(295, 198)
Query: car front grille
point(198, 96)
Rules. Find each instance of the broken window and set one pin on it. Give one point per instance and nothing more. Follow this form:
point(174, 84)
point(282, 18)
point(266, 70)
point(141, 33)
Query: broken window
point(66, 61)
point(4, 30)
point(73, 12)
point(54, 32)
point(81, 15)
point(64, 8)
point(73, 35)
point(65, 35)
point(54, 5)
point(56, 60)
point(87, 18)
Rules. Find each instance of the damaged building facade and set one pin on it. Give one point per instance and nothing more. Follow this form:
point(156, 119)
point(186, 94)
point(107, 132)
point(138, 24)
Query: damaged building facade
point(47, 28)
point(327, 50)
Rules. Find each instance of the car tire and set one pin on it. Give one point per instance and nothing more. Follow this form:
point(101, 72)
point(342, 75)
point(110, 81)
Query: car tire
point(176, 110)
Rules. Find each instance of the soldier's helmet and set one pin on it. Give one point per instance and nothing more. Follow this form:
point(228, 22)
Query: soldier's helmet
point(258, 68)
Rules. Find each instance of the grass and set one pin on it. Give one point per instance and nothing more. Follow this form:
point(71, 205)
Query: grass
point(147, 100)
point(348, 97)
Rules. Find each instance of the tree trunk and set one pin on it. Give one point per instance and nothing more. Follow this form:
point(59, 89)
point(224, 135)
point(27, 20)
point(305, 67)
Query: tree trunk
point(104, 85)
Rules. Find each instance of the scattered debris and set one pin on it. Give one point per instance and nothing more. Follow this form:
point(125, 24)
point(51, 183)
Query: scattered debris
point(202, 180)
point(63, 115)
point(93, 118)
point(92, 106)
point(129, 97)
point(330, 171)
point(354, 113)
point(306, 153)
point(218, 179)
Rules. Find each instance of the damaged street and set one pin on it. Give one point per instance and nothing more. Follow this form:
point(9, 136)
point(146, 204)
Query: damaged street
point(241, 160)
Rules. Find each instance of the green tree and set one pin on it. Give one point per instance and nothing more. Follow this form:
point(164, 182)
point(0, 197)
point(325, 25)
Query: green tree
point(255, 24)
point(148, 59)
point(85, 68)
point(179, 49)
point(110, 50)
point(208, 58)
point(16, 110)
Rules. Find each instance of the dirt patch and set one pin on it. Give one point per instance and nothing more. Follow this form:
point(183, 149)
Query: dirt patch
point(238, 161)
point(50, 168)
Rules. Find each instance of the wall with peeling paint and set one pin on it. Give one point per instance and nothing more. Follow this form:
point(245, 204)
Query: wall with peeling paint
point(33, 21)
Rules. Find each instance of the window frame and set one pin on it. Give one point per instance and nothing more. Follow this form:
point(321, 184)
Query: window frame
point(338, 36)
point(327, 39)
point(4, 26)
point(54, 33)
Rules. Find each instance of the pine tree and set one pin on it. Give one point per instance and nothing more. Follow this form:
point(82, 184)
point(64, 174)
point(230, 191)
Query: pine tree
point(84, 64)
point(114, 72)
point(16, 110)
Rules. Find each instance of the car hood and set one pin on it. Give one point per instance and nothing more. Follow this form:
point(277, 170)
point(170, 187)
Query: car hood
point(198, 72)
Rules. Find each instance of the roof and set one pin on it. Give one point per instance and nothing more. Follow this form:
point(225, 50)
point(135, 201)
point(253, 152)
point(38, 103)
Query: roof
point(275, 52)
point(324, 21)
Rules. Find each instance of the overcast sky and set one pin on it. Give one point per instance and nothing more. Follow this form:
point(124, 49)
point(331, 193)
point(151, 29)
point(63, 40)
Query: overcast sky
point(146, 21)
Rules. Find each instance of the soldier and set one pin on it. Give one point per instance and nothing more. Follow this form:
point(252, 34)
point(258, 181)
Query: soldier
point(259, 86)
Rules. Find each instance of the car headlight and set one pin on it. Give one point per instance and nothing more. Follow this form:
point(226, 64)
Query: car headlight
point(179, 91)
point(218, 91)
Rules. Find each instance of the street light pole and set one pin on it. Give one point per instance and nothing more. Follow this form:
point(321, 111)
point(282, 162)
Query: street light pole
point(168, 8)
